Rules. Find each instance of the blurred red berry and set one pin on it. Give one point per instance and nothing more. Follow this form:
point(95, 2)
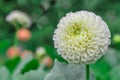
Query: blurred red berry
point(13, 52)
point(47, 61)
point(23, 34)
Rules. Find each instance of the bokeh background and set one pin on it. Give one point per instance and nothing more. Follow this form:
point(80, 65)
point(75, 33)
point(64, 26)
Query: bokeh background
point(45, 14)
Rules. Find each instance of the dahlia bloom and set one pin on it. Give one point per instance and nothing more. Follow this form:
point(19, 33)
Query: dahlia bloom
point(19, 17)
point(81, 37)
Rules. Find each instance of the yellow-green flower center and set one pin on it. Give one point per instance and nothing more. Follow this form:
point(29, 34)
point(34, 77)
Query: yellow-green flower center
point(79, 35)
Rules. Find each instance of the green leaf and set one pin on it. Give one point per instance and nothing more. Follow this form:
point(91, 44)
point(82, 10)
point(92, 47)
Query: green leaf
point(101, 69)
point(4, 74)
point(22, 64)
point(53, 53)
point(62, 71)
point(11, 64)
point(112, 57)
point(103, 66)
point(20, 77)
point(32, 75)
point(32, 65)
point(4, 44)
point(115, 73)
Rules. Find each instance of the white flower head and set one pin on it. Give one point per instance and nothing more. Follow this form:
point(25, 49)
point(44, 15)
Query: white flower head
point(40, 51)
point(81, 37)
point(19, 17)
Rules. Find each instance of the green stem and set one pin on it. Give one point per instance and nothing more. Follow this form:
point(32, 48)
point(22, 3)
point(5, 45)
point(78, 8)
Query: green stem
point(15, 39)
point(15, 36)
point(87, 72)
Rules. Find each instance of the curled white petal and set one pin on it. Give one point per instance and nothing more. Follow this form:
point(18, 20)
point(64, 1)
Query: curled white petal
point(81, 37)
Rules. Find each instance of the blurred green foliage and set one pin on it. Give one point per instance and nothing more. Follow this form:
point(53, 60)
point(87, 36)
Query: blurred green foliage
point(45, 15)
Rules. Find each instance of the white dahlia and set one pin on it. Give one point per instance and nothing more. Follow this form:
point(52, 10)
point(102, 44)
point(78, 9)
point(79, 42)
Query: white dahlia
point(19, 17)
point(81, 37)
